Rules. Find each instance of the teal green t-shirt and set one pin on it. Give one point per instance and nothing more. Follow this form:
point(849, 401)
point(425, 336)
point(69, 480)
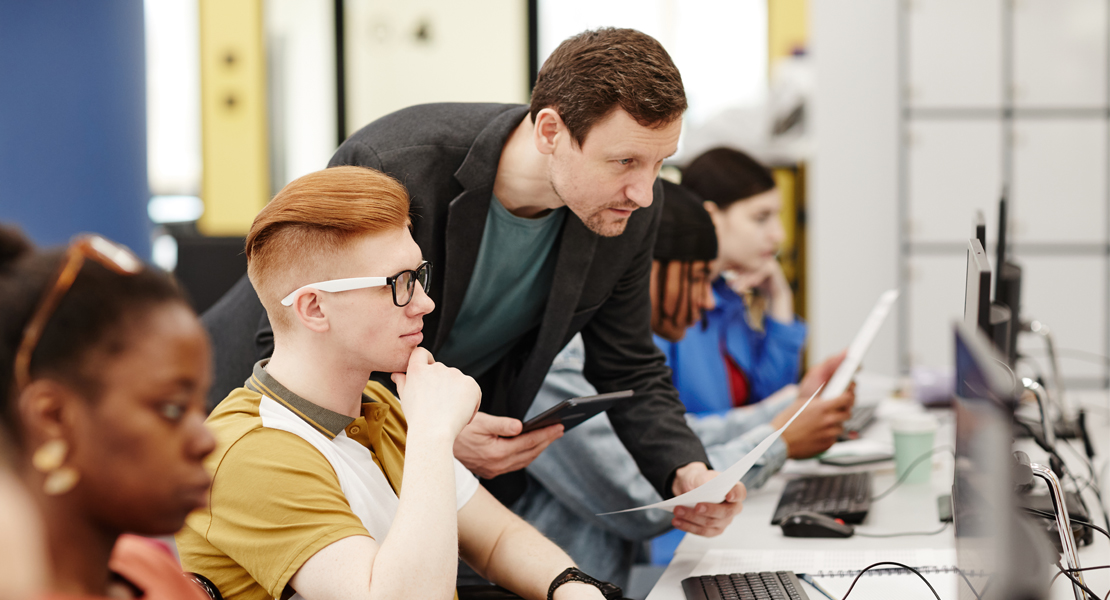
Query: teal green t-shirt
point(508, 291)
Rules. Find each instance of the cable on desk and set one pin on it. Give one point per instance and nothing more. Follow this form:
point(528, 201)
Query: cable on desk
point(1044, 445)
point(1048, 515)
point(909, 470)
point(1090, 464)
point(1014, 379)
point(906, 534)
point(1061, 571)
point(896, 564)
point(1076, 581)
point(1082, 355)
point(978, 595)
point(1052, 450)
point(1093, 481)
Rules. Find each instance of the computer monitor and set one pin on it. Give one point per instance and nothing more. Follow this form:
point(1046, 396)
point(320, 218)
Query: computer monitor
point(1001, 329)
point(1000, 251)
point(977, 294)
point(1007, 282)
point(997, 548)
point(981, 228)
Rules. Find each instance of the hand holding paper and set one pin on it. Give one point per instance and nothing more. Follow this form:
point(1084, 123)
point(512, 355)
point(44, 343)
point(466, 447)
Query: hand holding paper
point(714, 491)
point(705, 519)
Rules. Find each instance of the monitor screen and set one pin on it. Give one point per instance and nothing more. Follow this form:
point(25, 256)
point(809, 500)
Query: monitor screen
point(1007, 282)
point(997, 549)
point(981, 228)
point(1001, 250)
point(977, 295)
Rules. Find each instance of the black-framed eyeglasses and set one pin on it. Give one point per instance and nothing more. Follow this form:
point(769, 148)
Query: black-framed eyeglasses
point(403, 285)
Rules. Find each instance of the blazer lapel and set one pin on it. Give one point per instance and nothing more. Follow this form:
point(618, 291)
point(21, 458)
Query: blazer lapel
point(466, 222)
point(466, 216)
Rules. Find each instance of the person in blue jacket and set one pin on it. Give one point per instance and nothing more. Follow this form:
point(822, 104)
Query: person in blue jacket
point(749, 344)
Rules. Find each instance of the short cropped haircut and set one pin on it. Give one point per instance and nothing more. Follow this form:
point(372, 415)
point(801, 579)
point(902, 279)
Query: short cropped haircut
point(592, 73)
point(295, 237)
point(725, 176)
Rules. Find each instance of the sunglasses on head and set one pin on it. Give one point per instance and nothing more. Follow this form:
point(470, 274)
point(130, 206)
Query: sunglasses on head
point(85, 247)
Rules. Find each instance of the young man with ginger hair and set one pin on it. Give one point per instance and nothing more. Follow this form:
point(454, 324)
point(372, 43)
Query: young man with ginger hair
point(307, 496)
point(540, 221)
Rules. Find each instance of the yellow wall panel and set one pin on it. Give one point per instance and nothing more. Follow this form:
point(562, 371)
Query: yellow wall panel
point(236, 179)
point(790, 182)
point(787, 27)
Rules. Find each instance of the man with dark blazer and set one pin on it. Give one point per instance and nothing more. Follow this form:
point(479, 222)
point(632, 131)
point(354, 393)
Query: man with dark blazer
point(539, 223)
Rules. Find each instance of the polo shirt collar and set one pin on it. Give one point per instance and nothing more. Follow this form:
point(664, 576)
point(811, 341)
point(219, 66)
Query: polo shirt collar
point(327, 422)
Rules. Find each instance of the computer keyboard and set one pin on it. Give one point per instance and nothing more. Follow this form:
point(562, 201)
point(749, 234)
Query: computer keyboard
point(862, 416)
point(846, 496)
point(767, 585)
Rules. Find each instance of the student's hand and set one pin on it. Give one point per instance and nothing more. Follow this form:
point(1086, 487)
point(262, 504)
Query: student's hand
point(819, 375)
point(490, 446)
point(704, 519)
point(771, 283)
point(435, 395)
point(817, 428)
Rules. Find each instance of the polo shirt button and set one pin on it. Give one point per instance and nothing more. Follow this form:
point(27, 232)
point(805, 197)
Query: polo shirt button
point(353, 430)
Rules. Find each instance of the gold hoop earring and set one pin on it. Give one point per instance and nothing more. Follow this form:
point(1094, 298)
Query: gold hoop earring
point(49, 460)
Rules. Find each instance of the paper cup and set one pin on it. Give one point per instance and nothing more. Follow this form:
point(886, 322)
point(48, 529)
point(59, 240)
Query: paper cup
point(913, 439)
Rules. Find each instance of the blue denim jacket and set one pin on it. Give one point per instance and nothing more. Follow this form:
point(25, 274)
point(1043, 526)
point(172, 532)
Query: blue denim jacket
point(588, 471)
point(769, 359)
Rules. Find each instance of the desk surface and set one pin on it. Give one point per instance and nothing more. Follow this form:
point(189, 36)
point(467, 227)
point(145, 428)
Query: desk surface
point(910, 508)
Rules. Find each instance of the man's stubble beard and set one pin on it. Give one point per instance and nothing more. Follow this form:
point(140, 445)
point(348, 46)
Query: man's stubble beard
point(595, 221)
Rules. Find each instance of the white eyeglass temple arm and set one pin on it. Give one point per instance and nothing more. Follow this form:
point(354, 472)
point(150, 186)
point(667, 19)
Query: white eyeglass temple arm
point(336, 285)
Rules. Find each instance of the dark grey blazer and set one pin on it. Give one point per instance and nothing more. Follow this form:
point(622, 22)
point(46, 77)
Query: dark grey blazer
point(447, 156)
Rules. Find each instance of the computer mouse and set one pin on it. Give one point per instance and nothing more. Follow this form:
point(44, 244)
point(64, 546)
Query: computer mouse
point(811, 524)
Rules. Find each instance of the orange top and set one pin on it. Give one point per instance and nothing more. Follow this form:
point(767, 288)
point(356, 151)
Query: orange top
point(150, 568)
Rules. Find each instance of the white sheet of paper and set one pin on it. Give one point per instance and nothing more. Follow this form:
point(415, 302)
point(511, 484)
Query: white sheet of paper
point(843, 376)
point(715, 490)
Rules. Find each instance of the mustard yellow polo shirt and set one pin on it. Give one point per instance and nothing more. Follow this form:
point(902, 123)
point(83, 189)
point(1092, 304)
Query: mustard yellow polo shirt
point(276, 500)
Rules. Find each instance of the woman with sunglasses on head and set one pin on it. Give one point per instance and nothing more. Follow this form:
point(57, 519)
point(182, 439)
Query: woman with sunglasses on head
point(104, 369)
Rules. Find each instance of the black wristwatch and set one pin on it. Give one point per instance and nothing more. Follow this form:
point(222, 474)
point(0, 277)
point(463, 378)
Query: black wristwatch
point(610, 591)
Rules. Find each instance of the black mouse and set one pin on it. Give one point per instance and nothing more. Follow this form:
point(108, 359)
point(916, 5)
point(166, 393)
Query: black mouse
point(811, 524)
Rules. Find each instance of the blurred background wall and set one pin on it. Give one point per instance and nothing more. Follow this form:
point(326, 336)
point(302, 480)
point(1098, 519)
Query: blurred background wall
point(167, 124)
point(73, 120)
point(926, 111)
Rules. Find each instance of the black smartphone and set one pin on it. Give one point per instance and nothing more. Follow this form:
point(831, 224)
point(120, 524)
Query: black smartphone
point(574, 411)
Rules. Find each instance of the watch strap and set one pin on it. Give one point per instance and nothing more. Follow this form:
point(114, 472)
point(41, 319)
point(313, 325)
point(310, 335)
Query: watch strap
point(610, 591)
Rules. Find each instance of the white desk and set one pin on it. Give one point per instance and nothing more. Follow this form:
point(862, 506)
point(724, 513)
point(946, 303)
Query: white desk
point(908, 508)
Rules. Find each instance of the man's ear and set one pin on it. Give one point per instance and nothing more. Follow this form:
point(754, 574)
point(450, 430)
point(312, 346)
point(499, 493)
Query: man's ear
point(546, 131)
point(310, 312)
point(46, 411)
